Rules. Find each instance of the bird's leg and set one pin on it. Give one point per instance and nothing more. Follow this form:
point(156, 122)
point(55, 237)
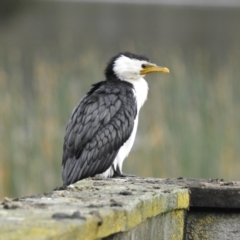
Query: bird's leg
point(126, 175)
point(117, 173)
point(98, 178)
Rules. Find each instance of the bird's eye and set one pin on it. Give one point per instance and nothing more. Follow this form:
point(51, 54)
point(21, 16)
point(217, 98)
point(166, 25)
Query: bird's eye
point(144, 65)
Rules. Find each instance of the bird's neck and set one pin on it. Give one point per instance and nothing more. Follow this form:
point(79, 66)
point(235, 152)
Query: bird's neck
point(140, 91)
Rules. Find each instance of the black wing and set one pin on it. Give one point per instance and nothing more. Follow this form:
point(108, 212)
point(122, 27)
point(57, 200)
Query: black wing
point(98, 127)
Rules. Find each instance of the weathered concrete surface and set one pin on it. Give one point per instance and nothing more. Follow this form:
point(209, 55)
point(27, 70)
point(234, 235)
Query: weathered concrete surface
point(214, 211)
point(212, 225)
point(133, 208)
point(165, 226)
point(95, 209)
point(210, 193)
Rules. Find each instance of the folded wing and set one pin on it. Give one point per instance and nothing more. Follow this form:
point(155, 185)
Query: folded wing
point(100, 124)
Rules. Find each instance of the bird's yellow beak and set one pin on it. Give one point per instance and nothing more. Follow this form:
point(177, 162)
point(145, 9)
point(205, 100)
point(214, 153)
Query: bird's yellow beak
point(149, 68)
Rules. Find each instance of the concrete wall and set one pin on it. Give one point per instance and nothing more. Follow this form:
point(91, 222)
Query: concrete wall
point(131, 208)
point(212, 224)
point(94, 209)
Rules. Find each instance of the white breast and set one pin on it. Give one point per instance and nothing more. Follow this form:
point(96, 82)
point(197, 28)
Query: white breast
point(140, 91)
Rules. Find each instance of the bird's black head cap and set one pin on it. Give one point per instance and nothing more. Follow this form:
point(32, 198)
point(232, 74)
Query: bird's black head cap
point(109, 73)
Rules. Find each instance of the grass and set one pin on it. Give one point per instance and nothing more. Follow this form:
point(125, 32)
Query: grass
point(189, 127)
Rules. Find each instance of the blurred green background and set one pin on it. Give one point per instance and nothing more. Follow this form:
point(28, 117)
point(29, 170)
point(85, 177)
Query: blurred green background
point(51, 52)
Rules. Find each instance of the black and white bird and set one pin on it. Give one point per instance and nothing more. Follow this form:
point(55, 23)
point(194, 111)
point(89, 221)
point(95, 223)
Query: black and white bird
point(103, 126)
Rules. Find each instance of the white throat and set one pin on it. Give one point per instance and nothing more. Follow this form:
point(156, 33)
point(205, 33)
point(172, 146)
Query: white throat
point(140, 91)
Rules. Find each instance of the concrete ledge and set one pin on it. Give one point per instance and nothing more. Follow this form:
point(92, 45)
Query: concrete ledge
point(210, 193)
point(94, 209)
point(122, 209)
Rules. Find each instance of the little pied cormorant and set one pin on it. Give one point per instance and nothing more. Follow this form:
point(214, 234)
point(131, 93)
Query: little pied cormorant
point(102, 128)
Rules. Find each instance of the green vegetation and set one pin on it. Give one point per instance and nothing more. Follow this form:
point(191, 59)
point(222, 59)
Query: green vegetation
point(189, 127)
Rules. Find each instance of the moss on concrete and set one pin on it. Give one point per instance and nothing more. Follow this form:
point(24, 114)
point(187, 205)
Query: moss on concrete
point(94, 209)
point(212, 224)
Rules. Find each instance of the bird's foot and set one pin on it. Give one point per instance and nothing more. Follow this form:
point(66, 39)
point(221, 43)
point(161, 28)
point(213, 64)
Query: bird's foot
point(63, 187)
point(98, 178)
point(122, 175)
